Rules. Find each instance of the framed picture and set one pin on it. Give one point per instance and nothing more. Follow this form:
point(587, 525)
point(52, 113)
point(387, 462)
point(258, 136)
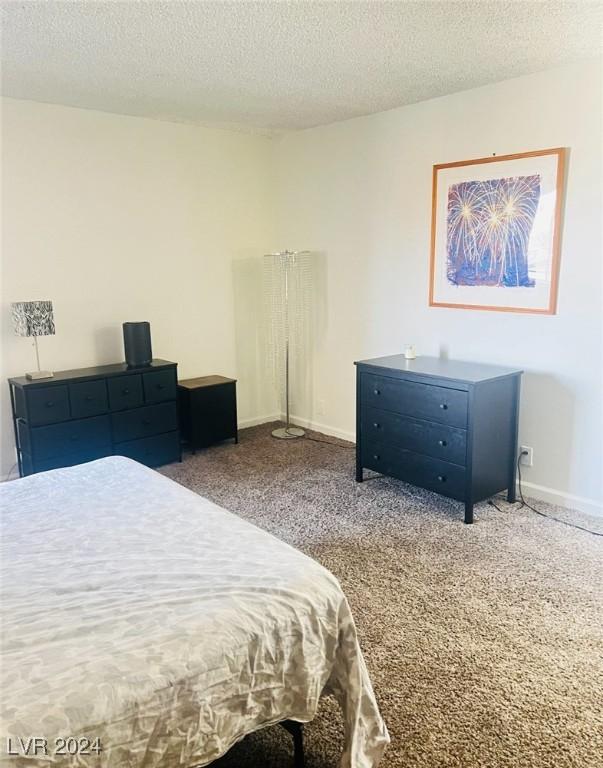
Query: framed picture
point(495, 232)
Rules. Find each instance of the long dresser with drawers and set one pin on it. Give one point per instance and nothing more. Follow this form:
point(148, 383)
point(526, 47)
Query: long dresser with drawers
point(85, 414)
point(444, 425)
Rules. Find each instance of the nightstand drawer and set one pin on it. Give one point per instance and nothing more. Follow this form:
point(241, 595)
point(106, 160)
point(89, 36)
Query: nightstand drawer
point(159, 386)
point(430, 438)
point(47, 405)
point(88, 398)
point(142, 422)
point(433, 474)
point(71, 437)
point(125, 392)
point(422, 401)
point(153, 451)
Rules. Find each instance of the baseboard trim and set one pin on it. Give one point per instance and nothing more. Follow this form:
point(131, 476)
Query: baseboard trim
point(567, 500)
point(316, 426)
point(256, 420)
point(325, 429)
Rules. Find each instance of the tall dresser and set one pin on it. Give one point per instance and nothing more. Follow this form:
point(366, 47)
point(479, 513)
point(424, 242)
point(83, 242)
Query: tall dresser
point(443, 425)
point(89, 413)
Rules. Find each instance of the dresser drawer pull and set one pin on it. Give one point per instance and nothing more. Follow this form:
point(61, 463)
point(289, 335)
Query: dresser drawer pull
point(376, 457)
point(160, 386)
point(443, 406)
point(377, 425)
point(125, 391)
point(377, 391)
point(49, 404)
point(442, 478)
point(89, 398)
point(443, 443)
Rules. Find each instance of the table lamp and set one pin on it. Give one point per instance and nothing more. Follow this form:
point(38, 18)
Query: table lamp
point(34, 318)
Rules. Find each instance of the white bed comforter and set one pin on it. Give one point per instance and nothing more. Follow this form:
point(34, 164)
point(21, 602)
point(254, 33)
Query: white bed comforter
point(140, 614)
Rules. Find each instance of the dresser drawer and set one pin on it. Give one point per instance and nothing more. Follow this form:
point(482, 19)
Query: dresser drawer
point(125, 392)
point(70, 437)
point(47, 405)
point(159, 386)
point(142, 422)
point(153, 451)
point(423, 401)
point(88, 398)
point(433, 474)
point(430, 438)
point(66, 460)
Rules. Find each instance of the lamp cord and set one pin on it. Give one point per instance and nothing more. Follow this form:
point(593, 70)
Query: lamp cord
point(523, 503)
point(329, 442)
point(10, 471)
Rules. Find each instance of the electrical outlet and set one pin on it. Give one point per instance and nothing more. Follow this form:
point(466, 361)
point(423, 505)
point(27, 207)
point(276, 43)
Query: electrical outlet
point(527, 455)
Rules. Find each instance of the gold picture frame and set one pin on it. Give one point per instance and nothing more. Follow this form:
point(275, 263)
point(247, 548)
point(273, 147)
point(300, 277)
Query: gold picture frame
point(495, 238)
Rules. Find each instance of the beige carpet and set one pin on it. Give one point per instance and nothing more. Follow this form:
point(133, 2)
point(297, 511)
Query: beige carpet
point(484, 642)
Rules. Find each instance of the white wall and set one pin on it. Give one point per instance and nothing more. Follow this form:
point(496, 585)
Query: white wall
point(118, 218)
point(360, 191)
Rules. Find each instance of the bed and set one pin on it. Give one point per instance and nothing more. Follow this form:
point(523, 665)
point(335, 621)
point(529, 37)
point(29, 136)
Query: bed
point(155, 629)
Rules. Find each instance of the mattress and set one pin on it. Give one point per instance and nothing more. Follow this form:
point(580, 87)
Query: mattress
point(145, 626)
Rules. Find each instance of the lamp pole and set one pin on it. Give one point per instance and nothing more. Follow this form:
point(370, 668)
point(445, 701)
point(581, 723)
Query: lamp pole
point(287, 432)
point(35, 338)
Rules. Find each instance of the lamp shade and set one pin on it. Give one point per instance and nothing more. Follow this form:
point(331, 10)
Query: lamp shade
point(33, 318)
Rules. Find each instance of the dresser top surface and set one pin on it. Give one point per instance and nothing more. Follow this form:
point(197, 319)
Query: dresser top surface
point(96, 372)
point(205, 381)
point(436, 367)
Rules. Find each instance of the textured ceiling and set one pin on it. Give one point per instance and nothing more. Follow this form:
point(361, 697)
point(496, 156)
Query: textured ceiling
point(273, 66)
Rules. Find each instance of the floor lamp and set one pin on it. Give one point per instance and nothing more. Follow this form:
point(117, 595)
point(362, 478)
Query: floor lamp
point(282, 267)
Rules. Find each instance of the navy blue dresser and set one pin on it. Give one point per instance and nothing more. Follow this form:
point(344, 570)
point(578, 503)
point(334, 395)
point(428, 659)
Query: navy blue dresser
point(444, 425)
point(88, 413)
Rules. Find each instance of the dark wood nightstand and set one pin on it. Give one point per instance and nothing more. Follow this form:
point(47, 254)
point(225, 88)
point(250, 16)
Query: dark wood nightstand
point(208, 410)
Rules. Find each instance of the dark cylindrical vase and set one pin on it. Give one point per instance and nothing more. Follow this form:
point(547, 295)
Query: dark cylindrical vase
point(137, 344)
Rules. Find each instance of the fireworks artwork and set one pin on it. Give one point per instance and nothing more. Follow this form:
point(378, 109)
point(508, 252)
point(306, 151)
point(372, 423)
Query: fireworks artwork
point(495, 226)
point(488, 231)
